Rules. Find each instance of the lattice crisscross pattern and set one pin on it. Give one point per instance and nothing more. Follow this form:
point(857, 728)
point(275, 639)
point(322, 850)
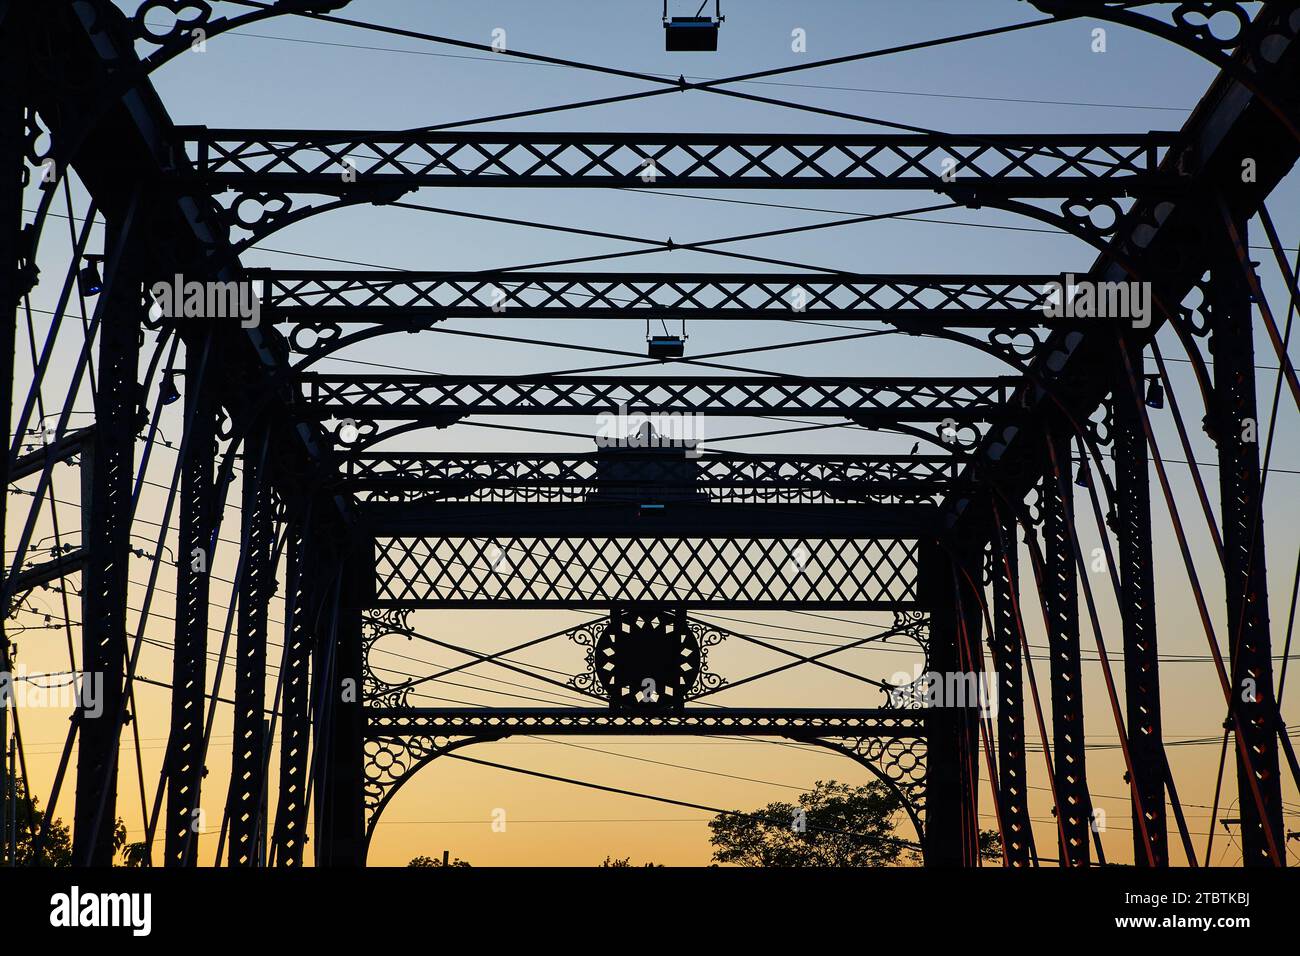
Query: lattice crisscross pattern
point(1028, 165)
point(415, 396)
point(737, 479)
point(360, 296)
point(601, 572)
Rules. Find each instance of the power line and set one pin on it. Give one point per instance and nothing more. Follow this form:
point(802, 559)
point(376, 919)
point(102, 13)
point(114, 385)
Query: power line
point(658, 799)
point(695, 77)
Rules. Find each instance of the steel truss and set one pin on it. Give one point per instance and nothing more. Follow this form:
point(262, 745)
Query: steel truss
point(534, 570)
point(326, 161)
point(630, 475)
point(456, 396)
point(645, 535)
point(310, 299)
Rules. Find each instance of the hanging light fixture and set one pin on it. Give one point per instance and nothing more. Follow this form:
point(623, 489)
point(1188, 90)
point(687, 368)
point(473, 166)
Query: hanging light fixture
point(167, 391)
point(89, 281)
point(1155, 394)
point(667, 345)
point(693, 34)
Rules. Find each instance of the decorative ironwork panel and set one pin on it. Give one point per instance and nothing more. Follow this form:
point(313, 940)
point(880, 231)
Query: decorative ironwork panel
point(401, 741)
point(601, 572)
point(800, 723)
point(911, 694)
point(901, 761)
point(647, 658)
point(492, 476)
point(377, 691)
point(389, 762)
point(172, 27)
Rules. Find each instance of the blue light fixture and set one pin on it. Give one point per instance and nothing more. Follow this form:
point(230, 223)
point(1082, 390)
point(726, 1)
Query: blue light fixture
point(167, 392)
point(89, 281)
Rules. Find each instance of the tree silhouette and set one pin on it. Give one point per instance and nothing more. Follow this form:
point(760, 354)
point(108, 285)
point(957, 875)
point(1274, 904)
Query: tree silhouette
point(56, 844)
point(626, 863)
point(134, 854)
point(835, 825)
point(422, 861)
point(990, 843)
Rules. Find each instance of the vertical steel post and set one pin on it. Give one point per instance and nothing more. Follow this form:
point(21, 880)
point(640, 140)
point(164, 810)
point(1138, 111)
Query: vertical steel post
point(1013, 795)
point(952, 748)
point(1061, 598)
point(108, 550)
point(1234, 426)
point(1138, 614)
point(340, 781)
point(256, 586)
point(304, 610)
point(198, 514)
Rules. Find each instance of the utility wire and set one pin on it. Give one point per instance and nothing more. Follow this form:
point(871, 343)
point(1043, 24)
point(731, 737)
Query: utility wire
point(694, 77)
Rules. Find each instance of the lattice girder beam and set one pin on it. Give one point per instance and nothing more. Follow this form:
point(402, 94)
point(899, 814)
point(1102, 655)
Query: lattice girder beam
point(715, 556)
point(332, 161)
point(311, 298)
point(623, 519)
point(733, 721)
point(722, 477)
point(600, 573)
point(434, 398)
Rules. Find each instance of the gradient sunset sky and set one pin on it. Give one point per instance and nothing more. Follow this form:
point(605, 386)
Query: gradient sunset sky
point(292, 72)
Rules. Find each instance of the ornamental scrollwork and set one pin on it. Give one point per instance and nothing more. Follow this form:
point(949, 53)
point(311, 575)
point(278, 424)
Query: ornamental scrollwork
point(376, 691)
point(899, 762)
point(390, 761)
point(647, 658)
point(910, 694)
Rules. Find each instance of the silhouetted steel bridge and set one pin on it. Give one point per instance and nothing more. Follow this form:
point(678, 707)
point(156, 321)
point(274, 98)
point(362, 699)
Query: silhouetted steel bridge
point(644, 534)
